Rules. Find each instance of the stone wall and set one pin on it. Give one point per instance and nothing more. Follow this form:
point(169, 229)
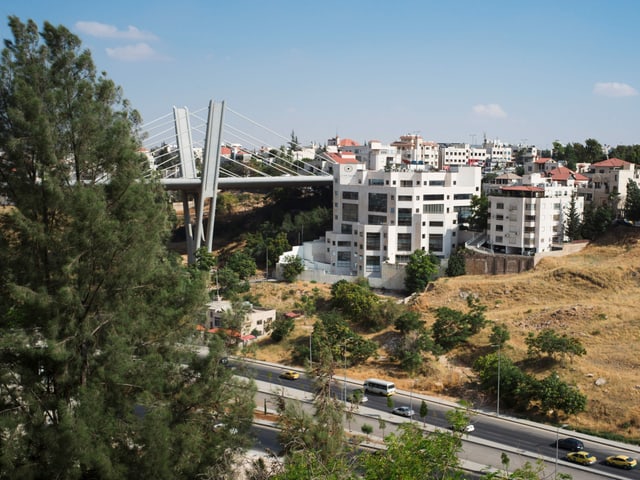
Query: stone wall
point(478, 263)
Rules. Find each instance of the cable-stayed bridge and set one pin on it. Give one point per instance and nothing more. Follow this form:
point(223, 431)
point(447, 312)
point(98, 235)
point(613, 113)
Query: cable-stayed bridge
point(201, 152)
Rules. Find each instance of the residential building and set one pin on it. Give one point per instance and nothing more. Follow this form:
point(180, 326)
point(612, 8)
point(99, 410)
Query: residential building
point(375, 155)
point(530, 219)
point(382, 217)
point(461, 154)
point(499, 155)
point(416, 153)
point(607, 183)
point(257, 321)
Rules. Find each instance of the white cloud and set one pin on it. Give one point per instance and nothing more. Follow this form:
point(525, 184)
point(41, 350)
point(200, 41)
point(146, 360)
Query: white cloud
point(133, 53)
point(492, 110)
point(614, 89)
point(102, 30)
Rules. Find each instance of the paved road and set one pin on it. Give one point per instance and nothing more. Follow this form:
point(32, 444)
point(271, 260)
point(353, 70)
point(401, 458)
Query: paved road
point(521, 440)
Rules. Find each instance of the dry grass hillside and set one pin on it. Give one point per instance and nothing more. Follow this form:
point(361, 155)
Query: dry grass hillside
point(593, 295)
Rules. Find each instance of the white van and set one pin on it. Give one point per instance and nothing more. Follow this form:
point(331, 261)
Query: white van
point(381, 387)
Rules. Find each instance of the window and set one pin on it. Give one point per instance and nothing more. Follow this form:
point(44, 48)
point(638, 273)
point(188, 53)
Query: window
point(404, 242)
point(376, 181)
point(500, 217)
point(373, 263)
point(499, 239)
point(529, 218)
point(436, 224)
point(406, 183)
point(435, 242)
point(433, 208)
point(344, 243)
point(377, 220)
point(346, 228)
point(462, 196)
point(373, 241)
point(344, 259)
point(436, 183)
point(378, 202)
point(402, 258)
point(404, 198)
point(350, 195)
point(428, 197)
point(350, 212)
point(499, 228)
point(529, 229)
point(500, 205)
point(404, 217)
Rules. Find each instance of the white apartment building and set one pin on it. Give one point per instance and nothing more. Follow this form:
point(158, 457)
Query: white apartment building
point(499, 155)
point(529, 219)
point(375, 155)
point(382, 217)
point(461, 154)
point(607, 184)
point(415, 152)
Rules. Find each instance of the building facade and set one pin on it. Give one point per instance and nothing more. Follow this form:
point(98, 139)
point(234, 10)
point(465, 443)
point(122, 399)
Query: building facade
point(382, 217)
point(530, 219)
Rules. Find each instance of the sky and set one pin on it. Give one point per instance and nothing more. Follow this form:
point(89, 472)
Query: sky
point(521, 72)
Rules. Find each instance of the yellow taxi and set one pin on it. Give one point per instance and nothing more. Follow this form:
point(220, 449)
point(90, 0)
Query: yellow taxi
point(621, 461)
point(583, 458)
point(290, 375)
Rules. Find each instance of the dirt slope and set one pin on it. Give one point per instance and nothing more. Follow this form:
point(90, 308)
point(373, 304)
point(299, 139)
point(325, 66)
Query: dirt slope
point(593, 295)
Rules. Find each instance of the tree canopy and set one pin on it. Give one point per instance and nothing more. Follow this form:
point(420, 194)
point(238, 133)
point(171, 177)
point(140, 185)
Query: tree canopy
point(421, 269)
point(94, 307)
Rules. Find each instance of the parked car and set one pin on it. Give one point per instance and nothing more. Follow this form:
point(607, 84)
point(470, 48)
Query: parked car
point(403, 411)
point(357, 396)
point(621, 461)
point(290, 375)
point(583, 458)
point(571, 444)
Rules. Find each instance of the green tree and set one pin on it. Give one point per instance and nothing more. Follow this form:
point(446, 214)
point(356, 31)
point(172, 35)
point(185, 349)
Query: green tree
point(424, 411)
point(573, 222)
point(355, 300)
point(555, 394)
point(420, 270)
point(205, 260)
point(550, 343)
point(93, 305)
point(242, 263)
point(499, 335)
point(479, 213)
point(409, 321)
point(514, 383)
point(593, 151)
point(456, 264)
point(293, 266)
point(450, 328)
point(596, 221)
point(632, 202)
point(412, 454)
point(282, 327)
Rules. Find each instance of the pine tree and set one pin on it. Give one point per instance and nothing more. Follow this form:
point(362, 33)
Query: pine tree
point(93, 306)
point(573, 223)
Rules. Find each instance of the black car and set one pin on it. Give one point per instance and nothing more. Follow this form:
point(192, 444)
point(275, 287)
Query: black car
point(571, 444)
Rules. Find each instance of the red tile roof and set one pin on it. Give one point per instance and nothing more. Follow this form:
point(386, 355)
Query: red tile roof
point(522, 188)
point(611, 162)
point(543, 160)
point(562, 174)
point(343, 158)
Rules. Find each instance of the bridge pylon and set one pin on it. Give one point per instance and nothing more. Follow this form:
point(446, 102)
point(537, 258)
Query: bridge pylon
point(205, 198)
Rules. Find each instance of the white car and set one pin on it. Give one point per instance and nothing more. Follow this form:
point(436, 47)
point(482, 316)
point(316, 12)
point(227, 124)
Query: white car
point(403, 411)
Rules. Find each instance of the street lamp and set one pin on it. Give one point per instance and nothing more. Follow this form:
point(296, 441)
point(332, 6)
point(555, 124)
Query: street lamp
point(555, 468)
point(498, 393)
